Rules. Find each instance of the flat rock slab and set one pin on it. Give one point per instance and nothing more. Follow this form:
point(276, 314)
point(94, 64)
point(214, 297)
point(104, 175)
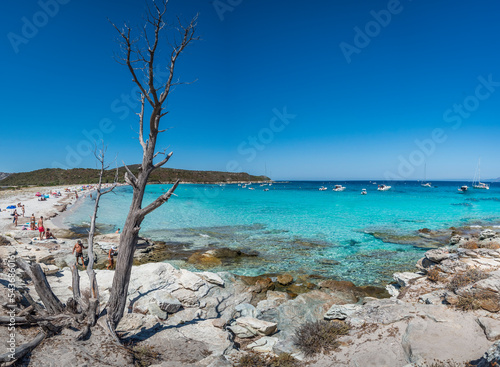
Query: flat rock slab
point(260, 326)
point(491, 327)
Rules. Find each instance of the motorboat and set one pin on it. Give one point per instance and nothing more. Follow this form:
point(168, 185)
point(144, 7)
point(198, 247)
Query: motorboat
point(339, 188)
point(363, 192)
point(383, 187)
point(322, 188)
point(266, 189)
point(427, 184)
point(463, 188)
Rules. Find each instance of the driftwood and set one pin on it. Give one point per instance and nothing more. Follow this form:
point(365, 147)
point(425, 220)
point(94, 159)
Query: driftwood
point(42, 287)
point(23, 349)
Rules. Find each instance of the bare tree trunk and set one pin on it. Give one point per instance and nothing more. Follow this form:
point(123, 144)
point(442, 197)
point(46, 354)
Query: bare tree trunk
point(23, 349)
point(42, 287)
point(142, 57)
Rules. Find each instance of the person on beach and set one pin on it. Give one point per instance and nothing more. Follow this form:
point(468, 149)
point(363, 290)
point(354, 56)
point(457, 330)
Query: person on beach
point(117, 231)
point(16, 216)
point(49, 235)
point(41, 229)
point(33, 222)
point(23, 210)
point(79, 252)
point(111, 262)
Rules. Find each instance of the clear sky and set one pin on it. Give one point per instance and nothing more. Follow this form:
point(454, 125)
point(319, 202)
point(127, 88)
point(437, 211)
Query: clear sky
point(330, 89)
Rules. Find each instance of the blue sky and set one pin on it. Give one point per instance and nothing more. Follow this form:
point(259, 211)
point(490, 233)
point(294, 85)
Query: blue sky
point(318, 90)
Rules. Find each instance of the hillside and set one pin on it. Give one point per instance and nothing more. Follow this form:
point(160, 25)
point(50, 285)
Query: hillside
point(57, 176)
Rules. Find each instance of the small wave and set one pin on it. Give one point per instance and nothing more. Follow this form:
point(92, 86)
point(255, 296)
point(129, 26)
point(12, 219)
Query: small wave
point(204, 235)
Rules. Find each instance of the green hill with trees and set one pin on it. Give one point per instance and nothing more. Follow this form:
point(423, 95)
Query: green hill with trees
point(58, 177)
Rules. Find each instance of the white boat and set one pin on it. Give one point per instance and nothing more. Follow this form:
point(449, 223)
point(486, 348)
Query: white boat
point(428, 184)
point(339, 188)
point(478, 184)
point(383, 187)
point(363, 192)
point(266, 189)
point(322, 188)
point(463, 188)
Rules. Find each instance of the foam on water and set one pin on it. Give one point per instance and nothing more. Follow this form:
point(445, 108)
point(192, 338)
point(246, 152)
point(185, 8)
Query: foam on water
point(297, 228)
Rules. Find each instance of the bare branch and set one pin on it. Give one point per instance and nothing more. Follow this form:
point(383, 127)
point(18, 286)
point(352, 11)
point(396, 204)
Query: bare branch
point(159, 201)
point(23, 349)
point(159, 164)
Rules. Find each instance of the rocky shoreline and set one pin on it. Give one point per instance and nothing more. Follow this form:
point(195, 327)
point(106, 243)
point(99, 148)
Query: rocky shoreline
point(445, 312)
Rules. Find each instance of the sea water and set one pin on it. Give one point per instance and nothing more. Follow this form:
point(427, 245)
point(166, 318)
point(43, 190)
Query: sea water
point(296, 228)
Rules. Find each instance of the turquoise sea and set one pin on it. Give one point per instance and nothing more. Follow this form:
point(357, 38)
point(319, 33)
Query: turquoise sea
point(296, 228)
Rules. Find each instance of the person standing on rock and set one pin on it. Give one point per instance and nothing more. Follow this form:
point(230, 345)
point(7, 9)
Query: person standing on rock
point(41, 228)
point(79, 252)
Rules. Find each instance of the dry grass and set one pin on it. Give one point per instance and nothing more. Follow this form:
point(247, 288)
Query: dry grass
point(463, 279)
point(253, 359)
point(320, 336)
point(470, 245)
point(433, 275)
point(476, 301)
point(491, 245)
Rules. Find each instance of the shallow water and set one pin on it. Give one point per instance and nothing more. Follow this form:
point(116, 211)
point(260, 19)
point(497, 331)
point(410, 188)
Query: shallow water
point(297, 228)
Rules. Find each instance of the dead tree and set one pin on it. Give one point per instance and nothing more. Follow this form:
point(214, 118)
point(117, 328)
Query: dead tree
point(140, 57)
point(91, 309)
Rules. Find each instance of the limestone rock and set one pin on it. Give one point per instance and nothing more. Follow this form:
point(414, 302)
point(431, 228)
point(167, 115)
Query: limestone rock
point(437, 255)
point(212, 278)
point(241, 332)
point(491, 327)
point(487, 233)
point(264, 344)
point(190, 280)
point(285, 279)
point(260, 326)
point(405, 278)
point(155, 310)
point(245, 310)
point(167, 302)
point(341, 312)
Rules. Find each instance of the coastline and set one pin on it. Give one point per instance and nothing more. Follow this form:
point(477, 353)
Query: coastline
point(222, 313)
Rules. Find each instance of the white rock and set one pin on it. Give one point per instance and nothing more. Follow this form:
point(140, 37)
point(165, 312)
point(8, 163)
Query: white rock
point(264, 344)
point(491, 327)
point(260, 326)
point(212, 278)
point(246, 310)
point(341, 312)
point(487, 233)
point(167, 302)
point(437, 255)
point(190, 280)
point(241, 332)
point(404, 279)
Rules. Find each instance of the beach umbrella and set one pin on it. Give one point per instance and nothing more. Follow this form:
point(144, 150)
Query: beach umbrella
point(11, 207)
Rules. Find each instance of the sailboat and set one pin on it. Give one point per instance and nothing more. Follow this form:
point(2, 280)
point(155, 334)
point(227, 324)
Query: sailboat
point(478, 184)
point(426, 184)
